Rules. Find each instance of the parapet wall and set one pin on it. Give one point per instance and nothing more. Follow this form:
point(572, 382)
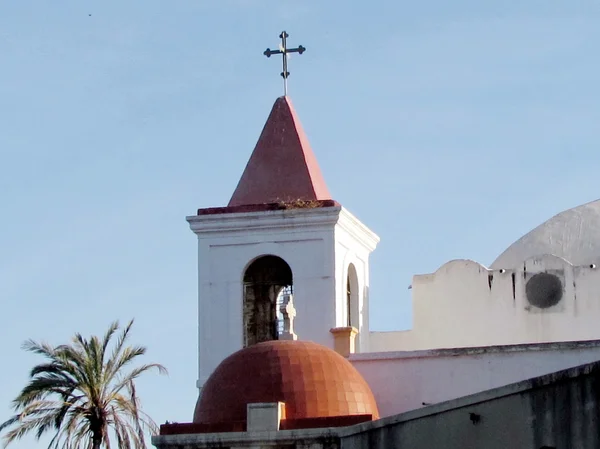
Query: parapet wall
point(465, 304)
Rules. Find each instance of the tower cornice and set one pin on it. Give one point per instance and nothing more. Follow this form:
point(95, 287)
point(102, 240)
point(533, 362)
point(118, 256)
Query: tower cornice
point(349, 223)
point(244, 222)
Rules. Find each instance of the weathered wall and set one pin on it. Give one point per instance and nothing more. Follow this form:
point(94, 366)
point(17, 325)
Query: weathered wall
point(465, 304)
point(283, 439)
point(403, 381)
point(556, 411)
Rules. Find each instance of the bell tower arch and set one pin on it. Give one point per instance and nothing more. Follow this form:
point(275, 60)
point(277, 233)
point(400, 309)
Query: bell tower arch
point(266, 280)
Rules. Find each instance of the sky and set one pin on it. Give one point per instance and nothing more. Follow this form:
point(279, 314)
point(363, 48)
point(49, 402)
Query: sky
point(449, 128)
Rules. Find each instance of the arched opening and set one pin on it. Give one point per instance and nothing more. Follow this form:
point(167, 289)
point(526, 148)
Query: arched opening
point(352, 302)
point(266, 281)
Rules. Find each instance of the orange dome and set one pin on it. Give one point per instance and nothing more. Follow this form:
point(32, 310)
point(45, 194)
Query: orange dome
point(313, 381)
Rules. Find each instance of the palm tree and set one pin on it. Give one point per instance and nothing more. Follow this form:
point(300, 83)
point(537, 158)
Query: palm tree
point(84, 393)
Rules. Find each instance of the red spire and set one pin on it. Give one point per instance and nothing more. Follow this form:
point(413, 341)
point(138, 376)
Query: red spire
point(282, 167)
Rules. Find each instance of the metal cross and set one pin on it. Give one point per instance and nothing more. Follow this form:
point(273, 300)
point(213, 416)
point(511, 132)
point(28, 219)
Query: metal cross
point(284, 51)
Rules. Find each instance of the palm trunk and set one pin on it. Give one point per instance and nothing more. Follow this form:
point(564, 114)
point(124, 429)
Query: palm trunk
point(96, 439)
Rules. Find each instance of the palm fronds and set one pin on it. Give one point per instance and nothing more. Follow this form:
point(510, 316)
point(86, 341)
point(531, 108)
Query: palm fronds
point(83, 393)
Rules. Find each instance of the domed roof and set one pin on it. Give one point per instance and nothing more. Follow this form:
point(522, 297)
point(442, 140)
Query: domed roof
point(313, 381)
point(573, 235)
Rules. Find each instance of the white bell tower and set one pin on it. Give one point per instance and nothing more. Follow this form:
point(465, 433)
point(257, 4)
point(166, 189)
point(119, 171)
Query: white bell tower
point(282, 260)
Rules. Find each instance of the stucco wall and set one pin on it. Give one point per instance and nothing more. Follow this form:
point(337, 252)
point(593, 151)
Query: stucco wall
point(403, 381)
point(561, 410)
point(465, 304)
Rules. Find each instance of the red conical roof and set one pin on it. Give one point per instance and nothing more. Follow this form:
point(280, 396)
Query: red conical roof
point(282, 167)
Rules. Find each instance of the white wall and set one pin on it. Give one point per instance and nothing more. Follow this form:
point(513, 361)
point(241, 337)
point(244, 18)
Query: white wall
point(309, 240)
point(402, 381)
point(354, 243)
point(465, 304)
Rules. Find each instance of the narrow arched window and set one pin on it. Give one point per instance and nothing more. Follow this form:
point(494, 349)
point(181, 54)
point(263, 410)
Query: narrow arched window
point(352, 298)
point(348, 302)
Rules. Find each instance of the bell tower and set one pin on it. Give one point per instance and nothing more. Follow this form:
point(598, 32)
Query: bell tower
point(282, 260)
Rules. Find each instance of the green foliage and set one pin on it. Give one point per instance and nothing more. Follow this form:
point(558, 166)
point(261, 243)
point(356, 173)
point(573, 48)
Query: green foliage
point(84, 393)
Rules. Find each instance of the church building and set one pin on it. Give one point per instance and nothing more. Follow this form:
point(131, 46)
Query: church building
point(498, 356)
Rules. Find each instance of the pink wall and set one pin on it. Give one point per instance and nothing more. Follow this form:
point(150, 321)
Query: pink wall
point(403, 381)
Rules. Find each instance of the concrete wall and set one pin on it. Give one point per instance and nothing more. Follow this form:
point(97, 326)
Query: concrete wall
point(557, 411)
point(317, 244)
point(403, 381)
point(464, 304)
point(282, 439)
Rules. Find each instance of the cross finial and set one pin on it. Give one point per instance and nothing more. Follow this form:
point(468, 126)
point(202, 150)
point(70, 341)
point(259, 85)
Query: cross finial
point(284, 51)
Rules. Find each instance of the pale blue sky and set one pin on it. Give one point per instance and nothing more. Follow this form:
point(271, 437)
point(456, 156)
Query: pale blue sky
point(449, 128)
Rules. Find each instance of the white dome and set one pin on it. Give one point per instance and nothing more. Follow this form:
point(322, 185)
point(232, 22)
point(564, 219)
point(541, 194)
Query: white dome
point(573, 235)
